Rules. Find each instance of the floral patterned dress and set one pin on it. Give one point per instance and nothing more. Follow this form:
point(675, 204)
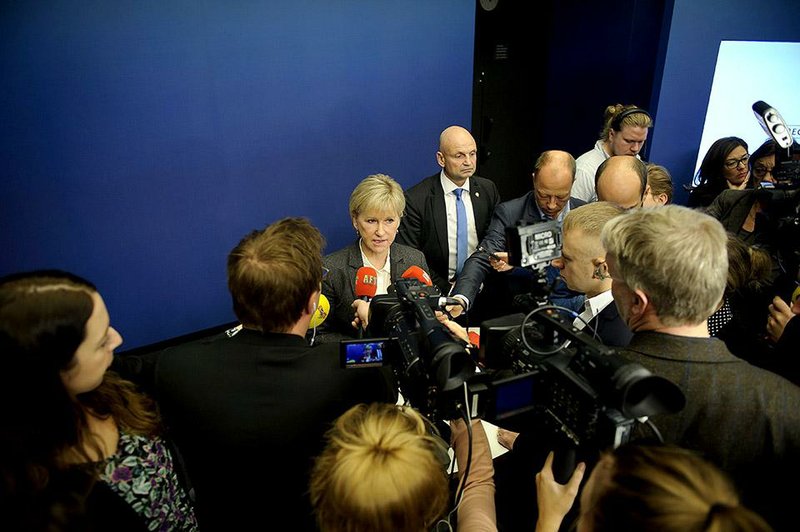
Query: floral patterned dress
point(143, 474)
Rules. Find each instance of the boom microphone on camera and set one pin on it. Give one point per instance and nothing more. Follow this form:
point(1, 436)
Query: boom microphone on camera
point(773, 124)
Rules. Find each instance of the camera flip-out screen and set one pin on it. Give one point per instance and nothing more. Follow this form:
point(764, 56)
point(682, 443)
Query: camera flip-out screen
point(367, 353)
point(533, 246)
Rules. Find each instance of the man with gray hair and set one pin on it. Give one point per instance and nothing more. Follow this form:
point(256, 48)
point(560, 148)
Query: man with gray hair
point(669, 266)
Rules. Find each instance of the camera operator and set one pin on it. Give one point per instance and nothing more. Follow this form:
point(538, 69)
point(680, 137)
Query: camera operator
point(669, 268)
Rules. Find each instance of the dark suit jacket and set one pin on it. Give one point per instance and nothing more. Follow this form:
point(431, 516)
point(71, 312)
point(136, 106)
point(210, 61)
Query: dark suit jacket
point(248, 414)
point(731, 208)
point(611, 330)
point(340, 284)
point(424, 225)
point(744, 419)
point(506, 214)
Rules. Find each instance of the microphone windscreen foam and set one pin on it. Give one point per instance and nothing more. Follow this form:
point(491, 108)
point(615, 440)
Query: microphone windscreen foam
point(366, 282)
point(415, 272)
point(322, 311)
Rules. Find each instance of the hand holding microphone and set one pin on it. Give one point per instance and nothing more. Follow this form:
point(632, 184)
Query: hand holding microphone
point(366, 287)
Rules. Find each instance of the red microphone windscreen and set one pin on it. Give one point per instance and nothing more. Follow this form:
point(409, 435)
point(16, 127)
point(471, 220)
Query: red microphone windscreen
point(415, 272)
point(474, 338)
point(366, 282)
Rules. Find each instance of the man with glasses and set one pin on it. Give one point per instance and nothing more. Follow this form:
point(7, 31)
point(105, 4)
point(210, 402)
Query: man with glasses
point(550, 199)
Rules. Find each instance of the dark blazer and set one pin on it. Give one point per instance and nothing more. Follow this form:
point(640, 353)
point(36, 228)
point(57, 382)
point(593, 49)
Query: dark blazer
point(340, 284)
point(744, 419)
point(611, 330)
point(506, 214)
point(731, 208)
point(424, 225)
point(248, 414)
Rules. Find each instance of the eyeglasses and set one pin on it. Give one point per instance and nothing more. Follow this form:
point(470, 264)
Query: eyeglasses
point(557, 199)
point(733, 163)
point(760, 171)
point(325, 272)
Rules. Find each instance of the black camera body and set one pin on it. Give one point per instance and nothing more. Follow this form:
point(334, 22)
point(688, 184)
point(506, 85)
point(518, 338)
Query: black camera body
point(533, 246)
point(576, 390)
point(430, 366)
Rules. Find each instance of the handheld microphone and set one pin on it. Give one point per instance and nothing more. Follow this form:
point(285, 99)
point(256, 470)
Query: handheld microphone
point(366, 283)
point(435, 298)
point(366, 287)
point(321, 312)
point(415, 272)
point(773, 124)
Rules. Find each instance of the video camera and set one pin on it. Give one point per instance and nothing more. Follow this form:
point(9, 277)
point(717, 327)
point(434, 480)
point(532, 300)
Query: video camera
point(580, 391)
point(781, 200)
point(573, 388)
point(429, 364)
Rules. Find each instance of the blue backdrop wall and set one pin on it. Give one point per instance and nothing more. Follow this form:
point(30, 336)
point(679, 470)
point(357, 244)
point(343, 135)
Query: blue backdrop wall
point(690, 55)
point(141, 140)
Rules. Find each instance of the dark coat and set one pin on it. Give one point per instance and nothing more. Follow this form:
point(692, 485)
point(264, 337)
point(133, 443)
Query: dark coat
point(249, 413)
point(340, 284)
point(424, 225)
point(611, 330)
point(744, 419)
point(506, 214)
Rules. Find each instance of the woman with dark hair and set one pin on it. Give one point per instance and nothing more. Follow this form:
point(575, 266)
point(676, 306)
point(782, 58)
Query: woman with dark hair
point(79, 446)
point(762, 162)
point(725, 166)
point(744, 212)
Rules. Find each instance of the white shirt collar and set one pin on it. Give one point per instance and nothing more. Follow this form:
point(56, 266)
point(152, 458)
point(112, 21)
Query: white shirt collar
point(597, 303)
point(384, 273)
point(448, 186)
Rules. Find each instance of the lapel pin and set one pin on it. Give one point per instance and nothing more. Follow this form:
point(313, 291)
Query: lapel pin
point(477, 194)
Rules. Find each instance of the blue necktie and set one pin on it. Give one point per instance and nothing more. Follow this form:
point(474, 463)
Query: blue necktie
point(461, 231)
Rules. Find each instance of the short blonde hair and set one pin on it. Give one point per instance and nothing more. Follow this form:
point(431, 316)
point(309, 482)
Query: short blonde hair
point(379, 471)
point(591, 218)
point(676, 255)
point(377, 192)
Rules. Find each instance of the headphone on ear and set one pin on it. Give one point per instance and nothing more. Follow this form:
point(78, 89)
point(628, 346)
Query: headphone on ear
point(616, 122)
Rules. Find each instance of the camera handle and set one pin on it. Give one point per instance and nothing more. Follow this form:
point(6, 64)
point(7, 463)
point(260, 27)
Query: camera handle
point(564, 462)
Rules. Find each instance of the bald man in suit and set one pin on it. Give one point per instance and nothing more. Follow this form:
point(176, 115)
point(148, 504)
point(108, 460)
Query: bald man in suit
point(430, 221)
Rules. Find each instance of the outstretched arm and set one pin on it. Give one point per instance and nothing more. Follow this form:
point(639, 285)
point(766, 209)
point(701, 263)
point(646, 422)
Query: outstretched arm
point(477, 510)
